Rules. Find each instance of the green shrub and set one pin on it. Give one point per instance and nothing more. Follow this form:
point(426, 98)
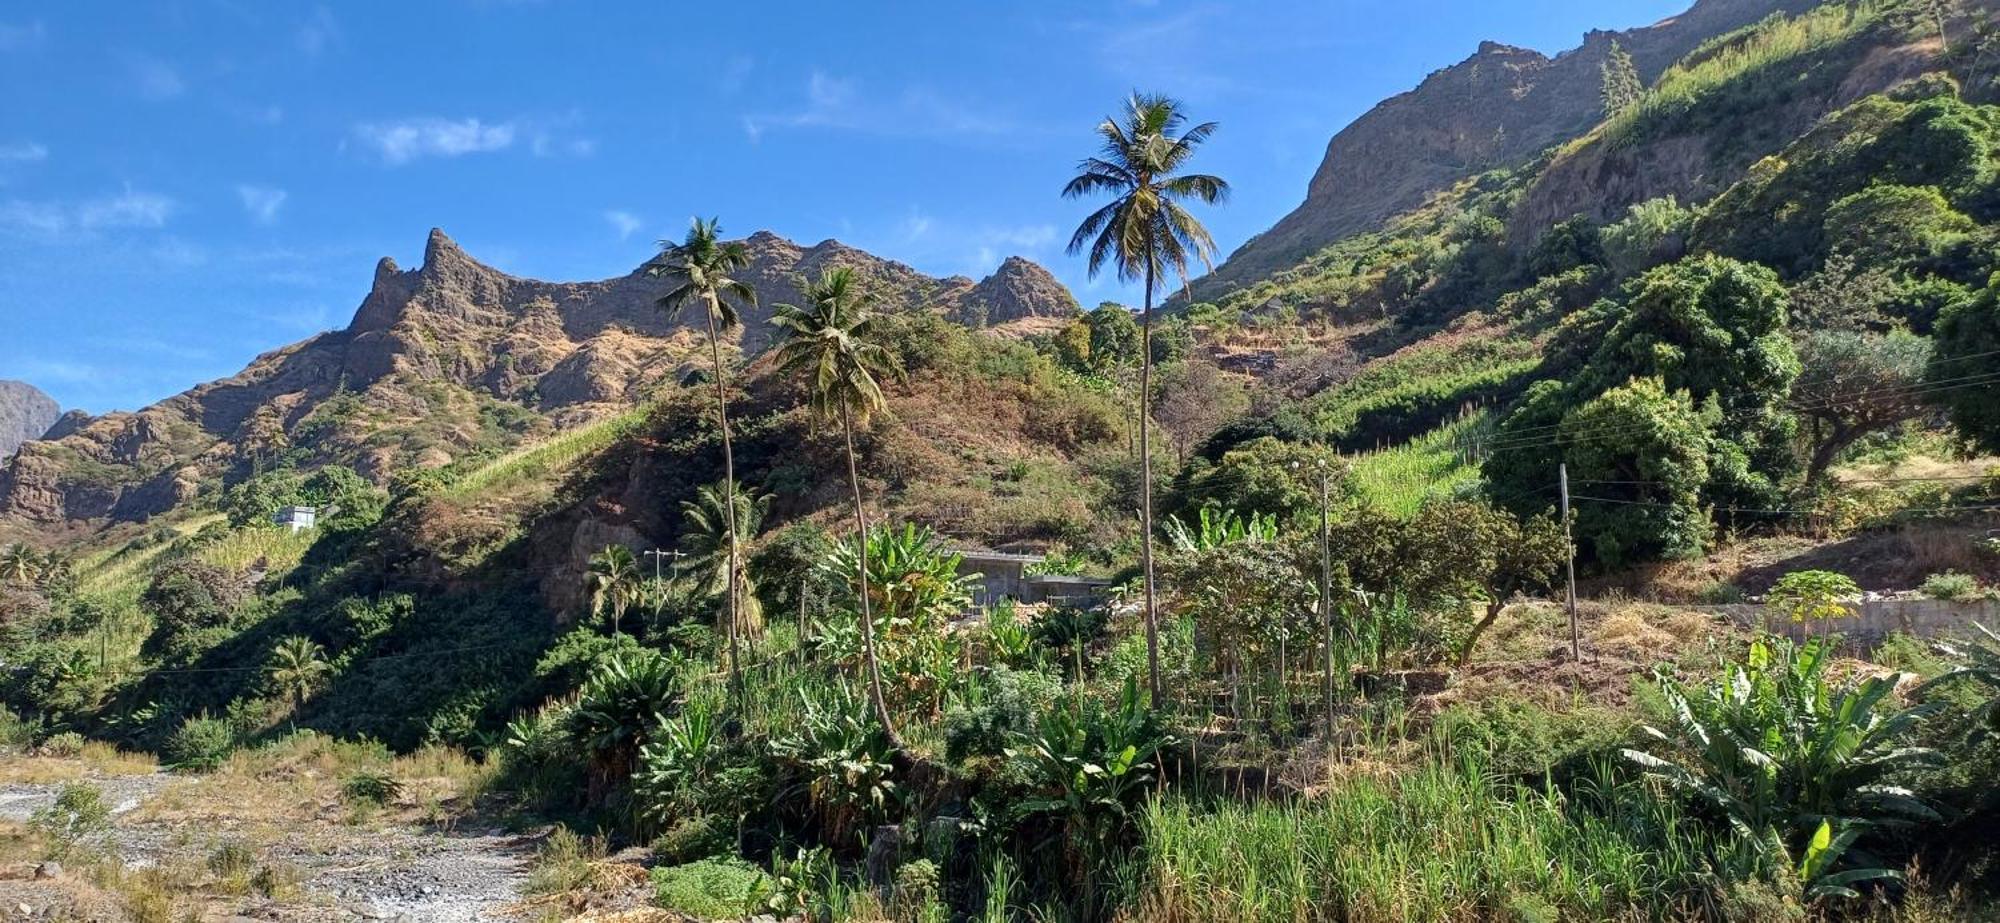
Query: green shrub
point(62, 745)
point(917, 893)
point(79, 821)
point(200, 744)
point(712, 889)
point(695, 836)
point(1951, 585)
point(1007, 704)
point(1813, 595)
point(372, 788)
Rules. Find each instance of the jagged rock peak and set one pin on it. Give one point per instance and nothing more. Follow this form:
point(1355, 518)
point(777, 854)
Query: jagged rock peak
point(1019, 288)
point(25, 414)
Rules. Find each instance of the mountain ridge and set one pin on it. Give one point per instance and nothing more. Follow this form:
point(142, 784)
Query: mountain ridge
point(1496, 108)
point(446, 359)
point(26, 413)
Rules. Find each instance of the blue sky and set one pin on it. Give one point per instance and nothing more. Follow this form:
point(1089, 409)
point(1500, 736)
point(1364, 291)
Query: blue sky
point(184, 185)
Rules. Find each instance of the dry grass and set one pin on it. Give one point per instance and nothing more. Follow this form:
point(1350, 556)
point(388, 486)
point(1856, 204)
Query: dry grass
point(98, 759)
point(300, 779)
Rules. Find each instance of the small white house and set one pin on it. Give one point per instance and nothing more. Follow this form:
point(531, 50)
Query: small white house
point(296, 518)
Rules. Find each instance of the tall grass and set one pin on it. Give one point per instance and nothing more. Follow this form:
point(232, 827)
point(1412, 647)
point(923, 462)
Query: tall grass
point(1736, 65)
point(539, 461)
point(1436, 464)
point(1443, 842)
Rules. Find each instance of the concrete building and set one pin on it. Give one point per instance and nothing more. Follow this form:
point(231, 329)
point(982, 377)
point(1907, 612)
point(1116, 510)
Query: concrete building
point(296, 518)
point(1004, 576)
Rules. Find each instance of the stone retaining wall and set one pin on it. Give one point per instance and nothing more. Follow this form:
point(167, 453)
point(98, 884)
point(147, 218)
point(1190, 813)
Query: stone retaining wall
point(1876, 619)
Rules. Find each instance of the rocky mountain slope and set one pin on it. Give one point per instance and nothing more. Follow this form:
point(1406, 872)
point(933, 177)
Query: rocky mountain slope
point(449, 359)
point(1496, 108)
point(25, 413)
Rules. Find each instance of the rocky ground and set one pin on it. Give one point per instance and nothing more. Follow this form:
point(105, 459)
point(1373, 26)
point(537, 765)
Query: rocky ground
point(341, 871)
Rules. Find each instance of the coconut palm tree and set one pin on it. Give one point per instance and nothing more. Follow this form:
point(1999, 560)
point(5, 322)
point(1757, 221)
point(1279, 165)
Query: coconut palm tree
point(20, 565)
point(700, 268)
point(1143, 234)
point(824, 342)
point(614, 582)
point(297, 665)
point(707, 546)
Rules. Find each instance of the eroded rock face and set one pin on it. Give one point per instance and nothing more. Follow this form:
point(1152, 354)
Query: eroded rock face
point(1497, 108)
point(25, 413)
point(434, 356)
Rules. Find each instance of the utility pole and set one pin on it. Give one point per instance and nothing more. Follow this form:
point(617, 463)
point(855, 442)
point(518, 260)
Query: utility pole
point(1569, 543)
point(656, 554)
point(1326, 592)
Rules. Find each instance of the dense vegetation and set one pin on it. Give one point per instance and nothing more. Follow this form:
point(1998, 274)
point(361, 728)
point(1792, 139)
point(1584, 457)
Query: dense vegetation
point(1317, 689)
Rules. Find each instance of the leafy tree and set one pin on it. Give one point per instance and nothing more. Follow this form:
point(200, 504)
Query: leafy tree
point(1195, 400)
point(1249, 601)
point(1708, 325)
point(1647, 449)
point(1473, 552)
point(1622, 88)
point(188, 595)
point(297, 665)
point(1114, 337)
point(1145, 233)
point(1853, 384)
point(700, 269)
point(708, 545)
point(1266, 476)
point(825, 343)
point(614, 583)
point(1965, 363)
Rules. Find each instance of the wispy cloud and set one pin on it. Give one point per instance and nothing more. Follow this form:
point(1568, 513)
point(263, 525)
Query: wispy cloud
point(547, 144)
point(22, 36)
point(23, 152)
point(261, 202)
point(624, 222)
point(131, 209)
point(319, 34)
point(840, 104)
point(153, 78)
point(400, 142)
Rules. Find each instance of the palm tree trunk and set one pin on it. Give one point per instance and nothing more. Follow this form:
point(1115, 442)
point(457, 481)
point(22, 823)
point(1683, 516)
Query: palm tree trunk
point(1146, 481)
point(728, 497)
point(867, 609)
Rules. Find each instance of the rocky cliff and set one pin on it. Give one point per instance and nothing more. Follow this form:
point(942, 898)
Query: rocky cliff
point(25, 413)
point(446, 359)
point(1497, 108)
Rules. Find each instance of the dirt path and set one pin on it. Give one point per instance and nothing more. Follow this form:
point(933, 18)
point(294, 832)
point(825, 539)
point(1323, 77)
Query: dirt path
point(395, 873)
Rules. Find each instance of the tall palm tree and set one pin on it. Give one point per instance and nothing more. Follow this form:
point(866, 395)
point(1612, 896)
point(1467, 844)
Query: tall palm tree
point(614, 582)
point(824, 342)
point(1143, 234)
point(297, 665)
point(707, 547)
point(701, 268)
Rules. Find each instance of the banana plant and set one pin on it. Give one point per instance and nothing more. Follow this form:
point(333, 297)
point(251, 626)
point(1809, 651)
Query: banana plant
point(1980, 662)
point(1214, 528)
point(1782, 756)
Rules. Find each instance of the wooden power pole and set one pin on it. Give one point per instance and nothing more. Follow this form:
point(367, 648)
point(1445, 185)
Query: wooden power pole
point(1569, 543)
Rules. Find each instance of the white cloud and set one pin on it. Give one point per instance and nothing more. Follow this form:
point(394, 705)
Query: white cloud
point(838, 103)
point(403, 141)
point(129, 210)
point(624, 222)
point(319, 34)
point(23, 152)
point(261, 202)
point(155, 79)
point(21, 36)
point(545, 144)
